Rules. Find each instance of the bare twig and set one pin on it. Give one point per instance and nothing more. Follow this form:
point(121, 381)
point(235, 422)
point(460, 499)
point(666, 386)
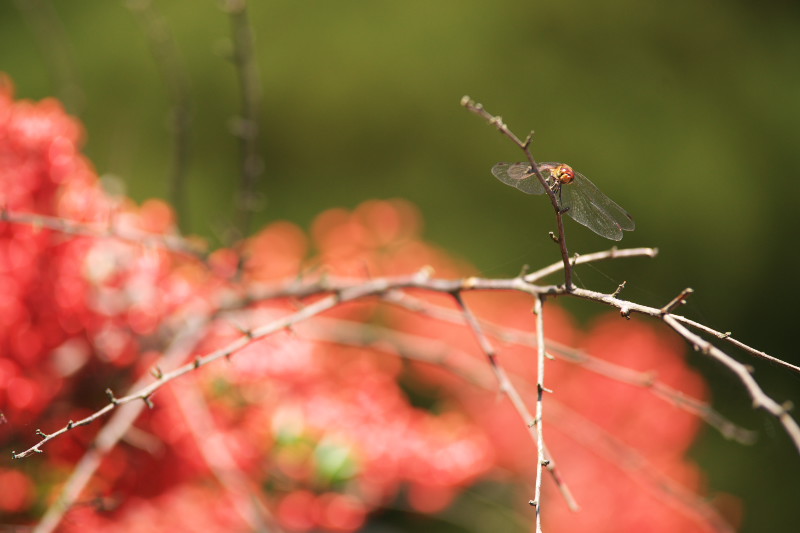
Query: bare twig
point(167, 59)
point(593, 364)
point(352, 290)
point(246, 127)
point(540, 458)
point(56, 49)
point(112, 432)
point(676, 302)
point(507, 388)
point(497, 122)
point(613, 253)
point(172, 243)
point(647, 380)
point(638, 468)
point(245, 498)
point(435, 352)
point(726, 336)
point(760, 399)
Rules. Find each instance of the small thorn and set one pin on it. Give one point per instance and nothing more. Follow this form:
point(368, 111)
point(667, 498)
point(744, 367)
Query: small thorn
point(111, 397)
point(619, 289)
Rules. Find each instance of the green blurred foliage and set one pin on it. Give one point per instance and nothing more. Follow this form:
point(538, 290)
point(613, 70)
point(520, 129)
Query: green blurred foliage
point(685, 113)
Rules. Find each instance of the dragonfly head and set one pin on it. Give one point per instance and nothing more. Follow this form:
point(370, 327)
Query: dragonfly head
point(564, 173)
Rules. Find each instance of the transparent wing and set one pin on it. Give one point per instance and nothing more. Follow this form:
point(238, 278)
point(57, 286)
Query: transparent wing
point(519, 175)
point(590, 207)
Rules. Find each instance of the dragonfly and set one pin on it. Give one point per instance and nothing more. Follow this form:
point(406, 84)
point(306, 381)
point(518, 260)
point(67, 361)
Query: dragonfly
point(576, 195)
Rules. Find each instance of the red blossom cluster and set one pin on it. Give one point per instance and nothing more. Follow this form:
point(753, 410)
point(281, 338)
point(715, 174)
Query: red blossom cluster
point(318, 427)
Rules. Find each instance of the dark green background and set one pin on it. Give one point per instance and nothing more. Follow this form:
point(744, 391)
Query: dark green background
point(686, 113)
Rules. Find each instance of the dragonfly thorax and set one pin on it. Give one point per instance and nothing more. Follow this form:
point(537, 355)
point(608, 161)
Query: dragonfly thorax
point(563, 173)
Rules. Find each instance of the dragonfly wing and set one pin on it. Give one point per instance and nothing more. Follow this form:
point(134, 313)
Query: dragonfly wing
point(590, 207)
point(518, 175)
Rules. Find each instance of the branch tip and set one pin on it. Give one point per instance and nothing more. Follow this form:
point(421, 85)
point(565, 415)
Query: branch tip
point(677, 301)
point(527, 142)
point(619, 289)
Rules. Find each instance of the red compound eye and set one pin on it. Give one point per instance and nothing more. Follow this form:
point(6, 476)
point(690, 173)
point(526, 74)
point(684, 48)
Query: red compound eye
point(565, 174)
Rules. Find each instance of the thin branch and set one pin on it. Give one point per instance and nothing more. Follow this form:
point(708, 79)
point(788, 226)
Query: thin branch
point(116, 428)
point(345, 291)
point(56, 49)
point(172, 243)
point(623, 374)
point(760, 399)
point(432, 351)
point(637, 467)
point(507, 388)
point(145, 393)
point(497, 122)
point(613, 253)
point(726, 336)
point(743, 372)
point(246, 127)
point(540, 389)
point(245, 498)
point(167, 59)
point(593, 364)
point(678, 301)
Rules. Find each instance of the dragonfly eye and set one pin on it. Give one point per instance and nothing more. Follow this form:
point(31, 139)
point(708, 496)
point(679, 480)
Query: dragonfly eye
point(564, 173)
